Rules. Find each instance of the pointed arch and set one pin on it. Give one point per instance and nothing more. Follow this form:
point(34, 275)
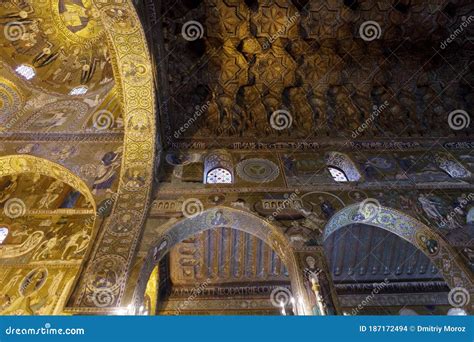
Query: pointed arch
point(218, 217)
point(432, 244)
point(218, 168)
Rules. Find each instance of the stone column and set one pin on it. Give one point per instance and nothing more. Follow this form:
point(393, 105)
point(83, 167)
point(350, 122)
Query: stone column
point(319, 297)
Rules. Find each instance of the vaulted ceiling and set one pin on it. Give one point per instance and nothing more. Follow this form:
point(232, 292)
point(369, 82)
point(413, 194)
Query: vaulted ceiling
point(60, 102)
point(62, 40)
point(57, 99)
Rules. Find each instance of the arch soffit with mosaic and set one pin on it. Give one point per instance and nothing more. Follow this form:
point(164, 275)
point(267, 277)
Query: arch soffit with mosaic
point(221, 216)
point(18, 164)
point(118, 239)
point(432, 244)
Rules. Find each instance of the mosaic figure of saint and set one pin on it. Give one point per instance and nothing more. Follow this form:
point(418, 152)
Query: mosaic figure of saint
point(106, 172)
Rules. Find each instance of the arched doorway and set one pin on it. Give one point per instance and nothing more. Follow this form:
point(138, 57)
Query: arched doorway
point(440, 253)
point(49, 215)
point(375, 272)
point(229, 218)
point(220, 271)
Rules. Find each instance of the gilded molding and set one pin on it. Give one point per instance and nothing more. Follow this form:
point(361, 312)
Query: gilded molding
point(117, 242)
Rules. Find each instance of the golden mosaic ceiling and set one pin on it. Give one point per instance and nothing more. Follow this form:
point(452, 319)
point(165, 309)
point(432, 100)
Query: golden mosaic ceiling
point(61, 39)
point(73, 89)
point(48, 215)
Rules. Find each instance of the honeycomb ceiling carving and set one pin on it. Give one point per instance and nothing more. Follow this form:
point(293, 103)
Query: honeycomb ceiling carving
point(311, 63)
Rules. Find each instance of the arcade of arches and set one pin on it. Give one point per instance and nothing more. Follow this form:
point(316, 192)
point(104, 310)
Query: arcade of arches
point(263, 157)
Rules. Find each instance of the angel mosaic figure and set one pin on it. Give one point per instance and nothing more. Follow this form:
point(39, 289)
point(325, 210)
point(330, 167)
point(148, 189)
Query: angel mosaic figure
point(430, 207)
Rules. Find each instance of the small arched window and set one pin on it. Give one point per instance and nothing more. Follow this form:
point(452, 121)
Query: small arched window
point(342, 168)
point(3, 234)
point(219, 175)
point(218, 168)
point(337, 174)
